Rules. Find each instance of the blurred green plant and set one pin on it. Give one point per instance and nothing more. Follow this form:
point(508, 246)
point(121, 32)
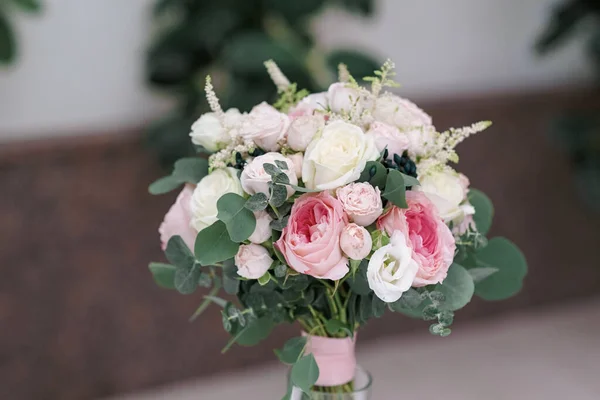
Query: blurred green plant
point(230, 40)
point(578, 133)
point(8, 40)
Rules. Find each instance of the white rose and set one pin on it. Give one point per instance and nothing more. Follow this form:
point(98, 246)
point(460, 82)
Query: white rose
point(209, 133)
point(399, 112)
point(265, 126)
point(388, 136)
point(310, 104)
point(337, 156)
point(252, 261)
point(356, 242)
point(256, 180)
point(297, 160)
point(447, 190)
point(262, 232)
point(392, 270)
point(208, 191)
point(302, 130)
point(361, 201)
point(344, 98)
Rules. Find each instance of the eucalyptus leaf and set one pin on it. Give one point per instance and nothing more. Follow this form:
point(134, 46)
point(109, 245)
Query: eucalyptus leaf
point(213, 245)
point(278, 195)
point(484, 210)
point(190, 169)
point(163, 274)
point(31, 6)
point(257, 202)
point(8, 47)
point(458, 288)
point(359, 283)
point(395, 190)
point(480, 273)
point(504, 255)
point(186, 279)
point(305, 373)
point(377, 306)
point(292, 350)
point(280, 224)
point(335, 326)
point(410, 181)
point(164, 185)
point(256, 331)
point(178, 253)
point(282, 165)
point(240, 221)
point(231, 282)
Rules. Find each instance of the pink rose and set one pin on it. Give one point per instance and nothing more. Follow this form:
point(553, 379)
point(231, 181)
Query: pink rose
point(265, 126)
point(431, 240)
point(310, 242)
point(361, 201)
point(310, 104)
point(297, 159)
point(177, 220)
point(252, 261)
point(356, 242)
point(387, 136)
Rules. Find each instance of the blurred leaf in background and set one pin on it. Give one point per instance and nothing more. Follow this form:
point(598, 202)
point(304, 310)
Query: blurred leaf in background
point(8, 45)
point(230, 40)
point(578, 133)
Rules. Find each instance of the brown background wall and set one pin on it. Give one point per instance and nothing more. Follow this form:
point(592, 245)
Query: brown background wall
point(81, 318)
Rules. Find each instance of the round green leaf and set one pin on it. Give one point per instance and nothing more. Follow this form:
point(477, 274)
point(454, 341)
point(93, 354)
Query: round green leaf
point(163, 274)
point(484, 210)
point(186, 279)
point(240, 221)
point(178, 253)
point(256, 331)
point(505, 256)
point(190, 169)
point(213, 244)
point(374, 173)
point(458, 288)
point(305, 373)
point(164, 185)
point(292, 350)
point(395, 191)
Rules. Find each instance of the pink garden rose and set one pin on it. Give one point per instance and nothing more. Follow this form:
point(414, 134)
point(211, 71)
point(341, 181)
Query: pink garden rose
point(429, 237)
point(310, 105)
point(390, 137)
point(310, 242)
point(356, 242)
point(177, 220)
point(361, 201)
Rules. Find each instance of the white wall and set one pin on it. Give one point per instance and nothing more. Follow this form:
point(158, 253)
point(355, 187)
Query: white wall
point(81, 67)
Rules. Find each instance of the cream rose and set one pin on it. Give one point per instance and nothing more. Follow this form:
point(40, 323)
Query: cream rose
point(361, 201)
point(337, 156)
point(209, 132)
point(392, 270)
point(262, 232)
point(265, 126)
point(302, 130)
point(447, 190)
point(356, 242)
point(208, 191)
point(343, 98)
point(399, 112)
point(252, 261)
point(297, 160)
point(256, 180)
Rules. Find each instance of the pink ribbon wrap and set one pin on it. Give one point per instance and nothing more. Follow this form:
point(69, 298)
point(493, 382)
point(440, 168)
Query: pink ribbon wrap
point(335, 357)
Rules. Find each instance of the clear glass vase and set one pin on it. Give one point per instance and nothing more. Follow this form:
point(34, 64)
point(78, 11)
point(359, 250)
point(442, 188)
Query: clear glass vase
point(361, 389)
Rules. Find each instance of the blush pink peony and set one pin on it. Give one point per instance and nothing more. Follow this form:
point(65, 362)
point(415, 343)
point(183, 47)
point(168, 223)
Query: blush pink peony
point(429, 237)
point(177, 220)
point(310, 242)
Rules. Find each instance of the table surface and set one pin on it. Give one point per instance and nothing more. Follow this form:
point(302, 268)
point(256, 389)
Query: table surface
point(549, 353)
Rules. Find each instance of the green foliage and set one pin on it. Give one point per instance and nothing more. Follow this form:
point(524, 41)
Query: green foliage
point(502, 254)
point(358, 64)
point(395, 190)
point(375, 174)
point(305, 373)
point(292, 350)
point(256, 331)
point(186, 170)
point(186, 279)
point(480, 273)
point(335, 327)
point(214, 245)
point(379, 239)
point(163, 274)
point(8, 42)
point(358, 281)
point(240, 221)
point(484, 210)
point(257, 202)
point(457, 288)
point(178, 253)
point(231, 281)
point(236, 37)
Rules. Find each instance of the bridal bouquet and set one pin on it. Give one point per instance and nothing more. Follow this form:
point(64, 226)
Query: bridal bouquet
point(328, 209)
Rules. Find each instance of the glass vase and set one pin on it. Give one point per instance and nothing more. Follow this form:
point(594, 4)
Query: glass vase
point(361, 389)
